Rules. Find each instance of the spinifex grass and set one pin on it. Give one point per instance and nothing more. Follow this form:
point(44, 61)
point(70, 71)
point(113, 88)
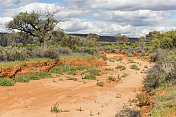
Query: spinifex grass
point(34, 76)
point(6, 82)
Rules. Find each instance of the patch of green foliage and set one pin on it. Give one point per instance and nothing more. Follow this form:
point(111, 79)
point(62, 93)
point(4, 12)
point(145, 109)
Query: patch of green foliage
point(165, 105)
point(75, 79)
point(55, 108)
point(6, 82)
point(94, 70)
point(111, 78)
point(135, 67)
point(100, 83)
point(121, 67)
point(22, 78)
point(90, 77)
point(33, 76)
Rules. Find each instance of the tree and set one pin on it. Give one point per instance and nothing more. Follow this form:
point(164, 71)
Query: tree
point(92, 39)
point(124, 38)
point(93, 36)
point(121, 38)
point(165, 40)
point(118, 37)
point(11, 38)
point(142, 40)
point(58, 36)
point(34, 24)
point(152, 35)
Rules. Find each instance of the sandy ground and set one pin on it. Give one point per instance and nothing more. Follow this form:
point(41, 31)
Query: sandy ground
point(35, 99)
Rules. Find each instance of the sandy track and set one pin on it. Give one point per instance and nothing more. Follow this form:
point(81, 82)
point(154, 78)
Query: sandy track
point(34, 99)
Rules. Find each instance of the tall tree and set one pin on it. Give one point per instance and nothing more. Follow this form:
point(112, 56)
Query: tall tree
point(93, 36)
point(121, 38)
point(142, 40)
point(34, 24)
point(124, 38)
point(118, 37)
point(152, 35)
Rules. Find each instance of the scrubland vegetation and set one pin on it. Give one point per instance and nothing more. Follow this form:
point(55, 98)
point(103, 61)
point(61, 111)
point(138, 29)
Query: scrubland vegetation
point(32, 44)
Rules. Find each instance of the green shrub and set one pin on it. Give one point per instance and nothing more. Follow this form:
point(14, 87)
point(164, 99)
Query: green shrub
point(3, 56)
point(22, 78)
point(104, 58)
point(55, 108)
point(51, 53)
point(76, 48)
point(6, 82)
point(121, 67)
point(96, 55)
point(100, 83)
point(154, 78)
point(53, 46)
point(57, 70)
point(131, 61)
point(80, 68)
point(135, 67)
point(64, 50)
point(33, 76)
point(75, 79)
point(111, 78)
point(37, 52)
point(88, 50)
point(94, 70)
point(90, 77)
point(133, 45)
point(165, 104)
point(19, 45)
point(128, 112)
point(37, 76)
point(15, 54)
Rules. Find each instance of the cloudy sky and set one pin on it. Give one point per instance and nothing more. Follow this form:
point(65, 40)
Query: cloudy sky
point(105, 17)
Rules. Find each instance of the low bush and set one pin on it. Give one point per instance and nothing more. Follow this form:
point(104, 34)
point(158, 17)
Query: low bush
point(6, 82)
point(55, 108)
point(51, 53)
point(33, 76)
point(75, 79)
point(90, 77)
point(14, 53)
point(57, 70)
point(22, 78)
point(64, 50)
point(100, 83)
point(94, 70)
point(76, 48)
point(111, 78)
point(37, 76)
point(135, 67)
point(20, 45)
point(165, 104)
point(3, 56)
point(121, 67)
point(128, 112)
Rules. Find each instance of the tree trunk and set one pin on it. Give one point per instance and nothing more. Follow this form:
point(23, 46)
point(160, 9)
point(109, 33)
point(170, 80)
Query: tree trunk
point(43, 44)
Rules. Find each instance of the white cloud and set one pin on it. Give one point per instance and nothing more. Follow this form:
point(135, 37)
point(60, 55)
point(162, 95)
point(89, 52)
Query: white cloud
point(108, 28)
point(3, 21)
point(126, 4)
point(9, 3)
point(64, 13)
point(37, 7)
point(131, 17)
point(135, 18)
